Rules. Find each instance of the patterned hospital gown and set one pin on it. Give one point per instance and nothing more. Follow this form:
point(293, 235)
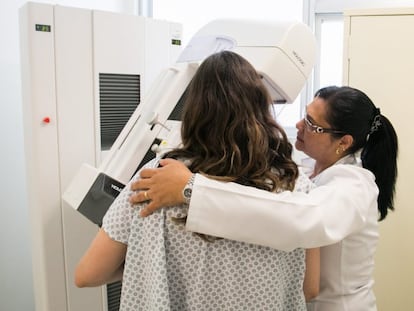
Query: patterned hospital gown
point(168, 268)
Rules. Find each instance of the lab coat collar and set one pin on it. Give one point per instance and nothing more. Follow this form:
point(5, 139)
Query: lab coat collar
point(307, 164)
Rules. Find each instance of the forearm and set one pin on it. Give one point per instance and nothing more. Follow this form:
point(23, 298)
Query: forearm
point(83, 280)
point(283, 221)
point(240, 213)
point(102, 263)
point(312, 274)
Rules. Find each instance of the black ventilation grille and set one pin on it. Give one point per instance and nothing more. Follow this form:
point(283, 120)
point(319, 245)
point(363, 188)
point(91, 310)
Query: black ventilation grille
point(113, 292)
point(177, 112)
point(119, 96)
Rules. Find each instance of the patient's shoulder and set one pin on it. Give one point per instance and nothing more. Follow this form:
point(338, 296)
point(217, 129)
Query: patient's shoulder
point(303, 183)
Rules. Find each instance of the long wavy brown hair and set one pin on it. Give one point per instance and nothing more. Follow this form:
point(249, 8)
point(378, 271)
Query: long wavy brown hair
point(228, 131)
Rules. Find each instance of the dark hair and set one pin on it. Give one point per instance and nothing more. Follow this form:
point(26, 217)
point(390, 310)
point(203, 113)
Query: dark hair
point(228, 131)
point(352, 111)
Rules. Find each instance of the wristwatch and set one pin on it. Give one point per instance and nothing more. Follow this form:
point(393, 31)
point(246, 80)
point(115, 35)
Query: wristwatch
point(188, 189)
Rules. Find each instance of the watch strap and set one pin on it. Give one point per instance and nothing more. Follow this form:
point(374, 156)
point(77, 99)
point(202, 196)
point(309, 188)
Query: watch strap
point(188, 189)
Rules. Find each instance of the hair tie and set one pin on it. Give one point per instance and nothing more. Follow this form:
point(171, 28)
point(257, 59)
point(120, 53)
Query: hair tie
point(376, 123)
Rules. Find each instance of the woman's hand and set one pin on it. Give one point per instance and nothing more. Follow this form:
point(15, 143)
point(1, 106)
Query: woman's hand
point(161, 187)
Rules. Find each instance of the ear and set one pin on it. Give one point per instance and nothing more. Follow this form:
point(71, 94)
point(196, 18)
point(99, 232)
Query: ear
point(346, 142)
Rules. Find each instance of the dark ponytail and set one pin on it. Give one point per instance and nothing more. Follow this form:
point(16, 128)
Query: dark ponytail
point(379, 155)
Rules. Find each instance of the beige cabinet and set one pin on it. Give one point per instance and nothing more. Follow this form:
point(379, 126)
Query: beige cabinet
point(379, 59)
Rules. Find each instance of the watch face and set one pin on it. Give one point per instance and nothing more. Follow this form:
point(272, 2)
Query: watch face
point(187, 192)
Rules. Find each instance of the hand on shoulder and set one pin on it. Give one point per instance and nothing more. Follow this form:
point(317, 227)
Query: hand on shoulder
point(160, 187)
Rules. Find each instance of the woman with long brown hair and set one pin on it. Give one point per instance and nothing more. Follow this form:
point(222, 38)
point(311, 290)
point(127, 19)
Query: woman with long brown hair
point(229, 134)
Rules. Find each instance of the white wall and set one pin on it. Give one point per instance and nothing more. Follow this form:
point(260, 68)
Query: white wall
point(16, 288)
point(15, 259)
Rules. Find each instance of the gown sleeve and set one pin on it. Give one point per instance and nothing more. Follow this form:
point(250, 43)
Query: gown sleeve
point(338, 206)
point(117, 220)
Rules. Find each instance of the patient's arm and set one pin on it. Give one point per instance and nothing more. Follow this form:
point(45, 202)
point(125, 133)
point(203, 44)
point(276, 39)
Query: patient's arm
point(102, 263)
point(312, 275)
point(165, 185)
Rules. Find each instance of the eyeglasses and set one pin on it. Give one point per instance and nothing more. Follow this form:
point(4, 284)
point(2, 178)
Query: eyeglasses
point(310, 127)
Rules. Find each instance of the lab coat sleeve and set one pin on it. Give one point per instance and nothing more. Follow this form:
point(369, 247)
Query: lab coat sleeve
point(338, 206)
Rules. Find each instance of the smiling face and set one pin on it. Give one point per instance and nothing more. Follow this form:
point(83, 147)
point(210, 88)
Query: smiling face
point(314, 141)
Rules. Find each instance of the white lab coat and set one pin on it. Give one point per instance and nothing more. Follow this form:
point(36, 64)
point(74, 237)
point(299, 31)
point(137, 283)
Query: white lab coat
point(341, 212)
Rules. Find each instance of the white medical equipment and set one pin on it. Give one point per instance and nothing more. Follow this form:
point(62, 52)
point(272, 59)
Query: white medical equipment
point(83, 74)
point(284, 54)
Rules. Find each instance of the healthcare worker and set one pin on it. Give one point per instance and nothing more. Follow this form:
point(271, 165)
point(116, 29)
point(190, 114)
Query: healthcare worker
point(354, 149)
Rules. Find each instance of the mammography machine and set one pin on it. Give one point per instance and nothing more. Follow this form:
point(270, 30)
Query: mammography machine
point(282, 52)
point(84, 72)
